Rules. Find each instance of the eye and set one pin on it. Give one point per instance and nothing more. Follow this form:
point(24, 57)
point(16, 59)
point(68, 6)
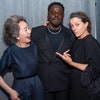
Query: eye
point(27, 28)
point(58, 13)
point(77, 24)
point(52, 13)
point(71, 26)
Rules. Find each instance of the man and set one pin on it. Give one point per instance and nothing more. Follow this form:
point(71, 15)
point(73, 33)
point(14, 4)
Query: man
point(53, 72)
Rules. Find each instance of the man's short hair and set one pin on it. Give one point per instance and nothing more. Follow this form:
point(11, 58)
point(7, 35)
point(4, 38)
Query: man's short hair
point(55, 3)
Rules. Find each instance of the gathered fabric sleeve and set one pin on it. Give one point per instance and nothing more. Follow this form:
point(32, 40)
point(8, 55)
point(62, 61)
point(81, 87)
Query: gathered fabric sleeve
point(5, 63)
point(90, 78)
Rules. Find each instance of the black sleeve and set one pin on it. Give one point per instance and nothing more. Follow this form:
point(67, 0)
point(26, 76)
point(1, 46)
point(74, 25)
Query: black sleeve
point(90, 78)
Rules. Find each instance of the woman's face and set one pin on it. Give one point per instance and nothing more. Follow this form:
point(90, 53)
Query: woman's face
point(24, 33)
point(78, 27)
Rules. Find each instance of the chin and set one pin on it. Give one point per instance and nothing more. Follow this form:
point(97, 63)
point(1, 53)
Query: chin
point(77, 36)
point(56, 24)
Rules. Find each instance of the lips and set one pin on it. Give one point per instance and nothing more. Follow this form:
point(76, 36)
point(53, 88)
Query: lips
point(56, 21)
point(28, 37)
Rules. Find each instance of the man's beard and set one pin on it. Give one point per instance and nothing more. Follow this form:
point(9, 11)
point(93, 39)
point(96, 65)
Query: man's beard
point(56, 24)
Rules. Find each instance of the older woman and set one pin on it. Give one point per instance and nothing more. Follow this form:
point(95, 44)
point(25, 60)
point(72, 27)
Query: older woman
point(21, 59)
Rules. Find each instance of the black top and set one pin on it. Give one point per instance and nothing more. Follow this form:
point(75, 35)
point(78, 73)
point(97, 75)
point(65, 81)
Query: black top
point(55, 39)
point(86, 51)
point(53, 71)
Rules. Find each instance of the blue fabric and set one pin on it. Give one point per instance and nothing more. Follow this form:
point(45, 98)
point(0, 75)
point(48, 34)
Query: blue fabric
point(30, 88)
point(22, 62)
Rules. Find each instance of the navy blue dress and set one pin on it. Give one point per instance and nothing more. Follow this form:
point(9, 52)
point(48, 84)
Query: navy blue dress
point(22, 62)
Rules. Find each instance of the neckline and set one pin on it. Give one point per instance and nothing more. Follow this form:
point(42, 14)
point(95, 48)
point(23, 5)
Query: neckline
point(84, 37)
point(19, 46)
point(54, 32)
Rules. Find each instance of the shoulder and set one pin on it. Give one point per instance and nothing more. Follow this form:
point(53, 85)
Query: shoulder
point(66, 29)
point(38, 28)
point(10, 48)
point(68, 33)
point(91, 44)
point(38, 32)
point(7, 52)
point(91, 40)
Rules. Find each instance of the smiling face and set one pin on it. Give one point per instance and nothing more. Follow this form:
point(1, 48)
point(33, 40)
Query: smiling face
point(78, 27)
point(55, 16)
point(24, 33)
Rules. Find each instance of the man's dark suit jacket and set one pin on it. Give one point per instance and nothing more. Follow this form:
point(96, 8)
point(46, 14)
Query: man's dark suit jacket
point(53, 71)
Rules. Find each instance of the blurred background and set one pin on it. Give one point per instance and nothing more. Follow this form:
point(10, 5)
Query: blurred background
point(35, 12)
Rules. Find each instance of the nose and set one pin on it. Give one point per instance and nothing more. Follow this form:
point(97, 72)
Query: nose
point(56, 14)
point(73, 28)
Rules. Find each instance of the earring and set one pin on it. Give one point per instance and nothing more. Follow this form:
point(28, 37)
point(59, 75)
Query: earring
point(17, 38)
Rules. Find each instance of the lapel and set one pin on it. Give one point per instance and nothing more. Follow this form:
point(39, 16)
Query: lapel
point(64, 41)
point(47, 48)
point(44, 40)
point(47, 45)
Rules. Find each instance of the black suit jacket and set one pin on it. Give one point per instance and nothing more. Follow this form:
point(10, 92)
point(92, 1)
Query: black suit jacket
point(53, 71)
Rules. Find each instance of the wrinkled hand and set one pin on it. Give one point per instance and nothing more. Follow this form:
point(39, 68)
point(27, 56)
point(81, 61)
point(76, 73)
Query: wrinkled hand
point(65, 56)
point(14, 95)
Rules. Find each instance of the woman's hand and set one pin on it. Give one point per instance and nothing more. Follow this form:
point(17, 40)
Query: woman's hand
point(45, 23)
point(65, 56)
point(14, 95)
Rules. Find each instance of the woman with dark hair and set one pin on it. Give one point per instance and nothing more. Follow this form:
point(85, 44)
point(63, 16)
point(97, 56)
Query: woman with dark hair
point(84, 57)
point(20, 58)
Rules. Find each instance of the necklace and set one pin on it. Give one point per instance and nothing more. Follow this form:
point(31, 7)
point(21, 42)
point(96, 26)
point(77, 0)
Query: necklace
point(54, 32)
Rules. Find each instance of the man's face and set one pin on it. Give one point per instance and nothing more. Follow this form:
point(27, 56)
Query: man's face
point(55, 15)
